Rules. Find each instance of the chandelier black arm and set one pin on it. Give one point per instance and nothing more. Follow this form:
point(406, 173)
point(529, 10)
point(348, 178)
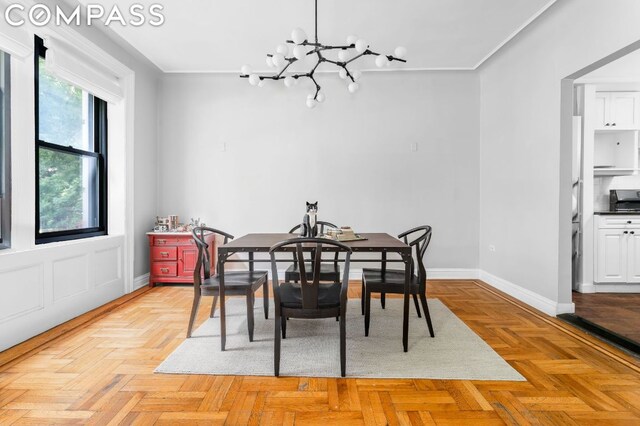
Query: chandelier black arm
point(389, 57)
point(289, 62)
point(357, 57)
point(317, 85)
point(351, 46)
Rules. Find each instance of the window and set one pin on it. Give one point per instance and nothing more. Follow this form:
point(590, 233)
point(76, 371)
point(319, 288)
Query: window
point(71, 158)
point(5, 151)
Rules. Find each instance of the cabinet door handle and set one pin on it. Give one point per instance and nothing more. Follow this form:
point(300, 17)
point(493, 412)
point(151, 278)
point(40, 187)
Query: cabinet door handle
point(632, 232)
point(166, 270)
point(629, 222)
point(613, 124)
point(162, 241)
point(164, 254)
point(626, 232)
point(607, 125)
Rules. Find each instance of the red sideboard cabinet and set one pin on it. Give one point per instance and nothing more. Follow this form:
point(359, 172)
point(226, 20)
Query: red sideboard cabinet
point(173, 256)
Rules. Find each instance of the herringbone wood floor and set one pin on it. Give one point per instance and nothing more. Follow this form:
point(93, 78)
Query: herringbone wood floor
point(102, 373)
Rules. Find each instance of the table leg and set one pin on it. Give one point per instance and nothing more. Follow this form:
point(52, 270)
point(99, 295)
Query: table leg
point(223, 326)
point(405, 314)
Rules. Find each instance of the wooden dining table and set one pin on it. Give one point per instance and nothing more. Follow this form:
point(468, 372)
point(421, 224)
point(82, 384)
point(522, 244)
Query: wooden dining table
point(261, 243)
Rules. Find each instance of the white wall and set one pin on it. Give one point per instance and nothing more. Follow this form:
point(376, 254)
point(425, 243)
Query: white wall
point(520, 126)
point(48, 284)
point(351, 154)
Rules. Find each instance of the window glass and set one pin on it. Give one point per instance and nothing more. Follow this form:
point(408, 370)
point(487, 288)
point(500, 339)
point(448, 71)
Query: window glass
point(64, 112)
point(5, 152)
point(71, 161)
point(67, 184)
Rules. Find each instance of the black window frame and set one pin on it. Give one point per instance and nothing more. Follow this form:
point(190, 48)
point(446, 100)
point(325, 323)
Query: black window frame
point(5, 153)
point(98, 108)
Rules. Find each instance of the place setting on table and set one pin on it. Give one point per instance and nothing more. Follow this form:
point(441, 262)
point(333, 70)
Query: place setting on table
point(308, 326)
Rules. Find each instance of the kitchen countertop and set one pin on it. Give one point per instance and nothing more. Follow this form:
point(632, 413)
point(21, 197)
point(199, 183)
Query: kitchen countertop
point(605, 213)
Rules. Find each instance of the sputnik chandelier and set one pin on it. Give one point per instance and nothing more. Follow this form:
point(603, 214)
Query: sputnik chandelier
point(302, 47)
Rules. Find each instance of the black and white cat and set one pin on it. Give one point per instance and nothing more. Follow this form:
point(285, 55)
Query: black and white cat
point(309, 226)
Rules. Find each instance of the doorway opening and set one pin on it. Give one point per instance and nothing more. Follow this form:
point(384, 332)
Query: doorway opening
point(604, 124)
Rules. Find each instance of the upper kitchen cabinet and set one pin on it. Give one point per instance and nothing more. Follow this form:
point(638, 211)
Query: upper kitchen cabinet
point(617, 110)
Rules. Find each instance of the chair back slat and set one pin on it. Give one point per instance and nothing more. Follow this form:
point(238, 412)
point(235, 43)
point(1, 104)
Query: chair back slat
point(301, 266)
point(322, 226)
point(418, 239)
point(309, 250)
point(203, 261)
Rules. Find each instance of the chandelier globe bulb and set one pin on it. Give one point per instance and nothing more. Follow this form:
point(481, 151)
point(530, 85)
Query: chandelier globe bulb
point(381, 61)
point(298, 36)
point(289, 81)
point(400, 52)
point(254, 79)
point(278, 60)
point(361, 45)
point(282, 49)
point(299, 52)
point(269, 61)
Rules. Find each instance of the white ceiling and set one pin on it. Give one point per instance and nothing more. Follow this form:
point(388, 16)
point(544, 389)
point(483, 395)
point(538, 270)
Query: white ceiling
point(220, 36)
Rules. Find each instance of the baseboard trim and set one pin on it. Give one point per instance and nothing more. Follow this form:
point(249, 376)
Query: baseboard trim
point(586, 288)
point(141, 281)
point(524, 295)
point(616, 288)
point(452, 274)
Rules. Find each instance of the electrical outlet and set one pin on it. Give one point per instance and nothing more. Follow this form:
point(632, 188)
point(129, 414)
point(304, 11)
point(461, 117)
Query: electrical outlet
point(492, 248)
point(414, 147)
point(223, 147)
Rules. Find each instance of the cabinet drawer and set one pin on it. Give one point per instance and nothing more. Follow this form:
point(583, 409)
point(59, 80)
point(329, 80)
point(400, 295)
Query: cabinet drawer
point(164, 269)
point(165, 241)
point(619, 222)
point(164, 253)
point(173, 241)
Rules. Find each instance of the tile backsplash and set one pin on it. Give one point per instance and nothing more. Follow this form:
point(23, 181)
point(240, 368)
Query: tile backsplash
point(603, 184)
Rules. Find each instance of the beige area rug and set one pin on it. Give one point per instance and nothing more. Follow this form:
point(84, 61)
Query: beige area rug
point(311, 348)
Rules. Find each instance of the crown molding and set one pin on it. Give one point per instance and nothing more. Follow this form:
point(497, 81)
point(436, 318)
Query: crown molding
point(515, 33)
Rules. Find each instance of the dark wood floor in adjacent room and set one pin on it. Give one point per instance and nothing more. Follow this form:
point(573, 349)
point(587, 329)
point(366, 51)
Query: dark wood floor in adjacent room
point(616, 312)
point(101, 372)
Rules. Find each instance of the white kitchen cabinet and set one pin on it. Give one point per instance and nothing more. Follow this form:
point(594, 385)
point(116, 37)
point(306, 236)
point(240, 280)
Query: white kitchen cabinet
point(617, 110)
point(617, 249)
point(612, 256)
point(615, 152)
point(602, 110)
point(633, 256)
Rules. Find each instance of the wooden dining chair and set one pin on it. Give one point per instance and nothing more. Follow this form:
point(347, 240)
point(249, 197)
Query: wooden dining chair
point(309, 299)
point(392, 281)
point(236, 283)
point(328, 271)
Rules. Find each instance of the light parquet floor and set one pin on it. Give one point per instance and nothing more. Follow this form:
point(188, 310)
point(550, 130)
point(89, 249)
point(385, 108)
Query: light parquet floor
point(102, 373)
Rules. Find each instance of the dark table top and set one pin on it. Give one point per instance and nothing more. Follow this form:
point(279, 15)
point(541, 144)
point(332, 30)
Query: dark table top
point(375, 242)
point(605, 213)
